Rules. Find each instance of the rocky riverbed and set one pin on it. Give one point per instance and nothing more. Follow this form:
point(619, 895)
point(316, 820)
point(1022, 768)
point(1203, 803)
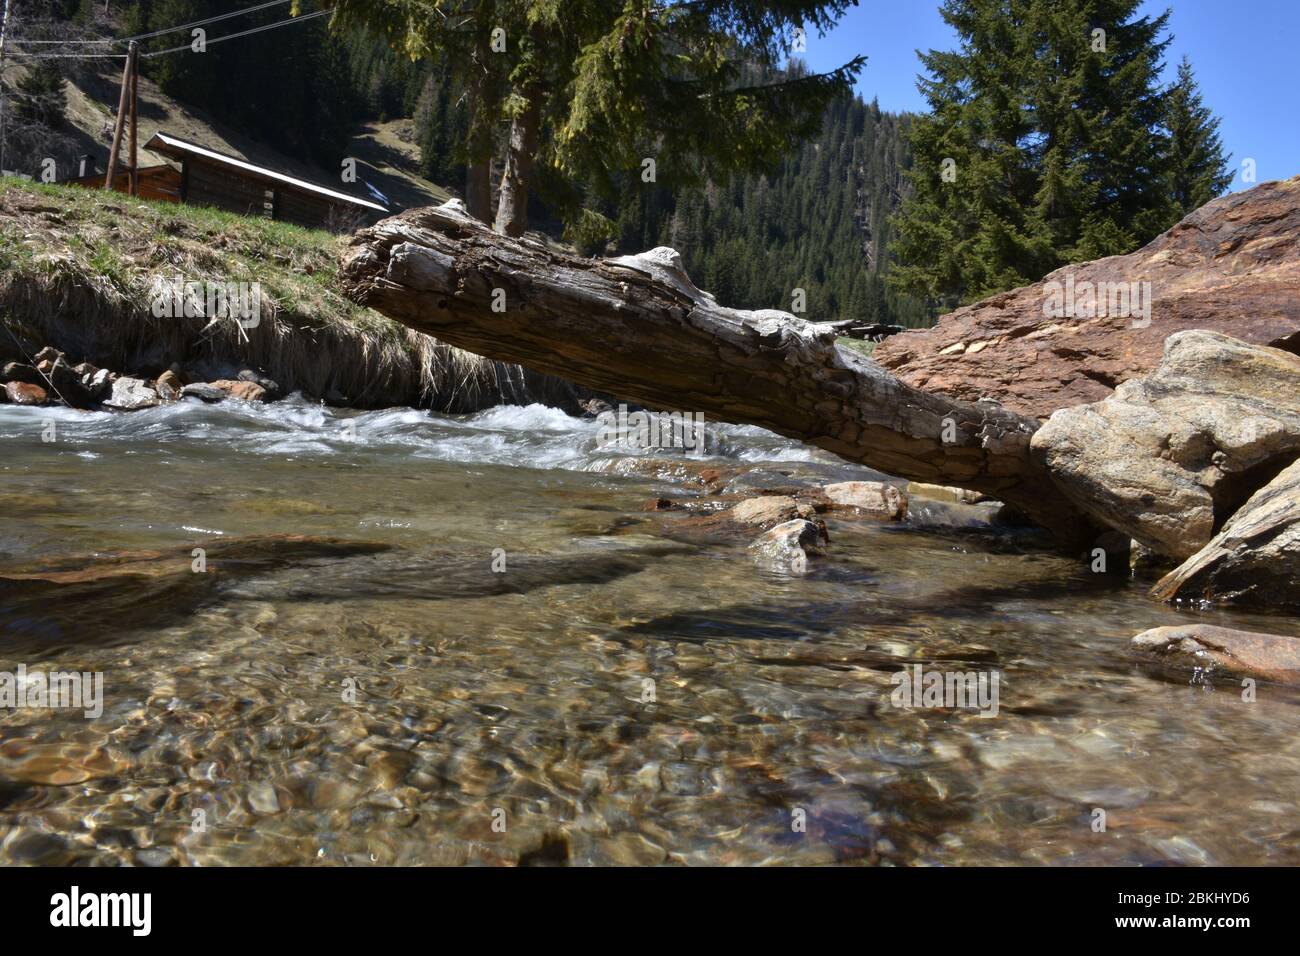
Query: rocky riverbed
point(499, 638)
point(51, 379)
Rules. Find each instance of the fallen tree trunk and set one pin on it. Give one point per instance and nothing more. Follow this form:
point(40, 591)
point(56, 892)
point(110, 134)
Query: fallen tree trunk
point(638, 328)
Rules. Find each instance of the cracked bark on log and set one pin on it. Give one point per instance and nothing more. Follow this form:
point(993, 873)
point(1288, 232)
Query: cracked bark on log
point(637, 327)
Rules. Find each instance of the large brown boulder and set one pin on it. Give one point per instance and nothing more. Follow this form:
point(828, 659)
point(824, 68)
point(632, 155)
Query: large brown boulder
point(1233, 266)
point(1254, 560)
point(1168, 458)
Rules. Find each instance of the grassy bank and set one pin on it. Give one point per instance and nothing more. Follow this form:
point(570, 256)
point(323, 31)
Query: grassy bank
point(77, 268)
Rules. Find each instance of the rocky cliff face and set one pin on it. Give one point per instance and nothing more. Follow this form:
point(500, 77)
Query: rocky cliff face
point(1233, 266)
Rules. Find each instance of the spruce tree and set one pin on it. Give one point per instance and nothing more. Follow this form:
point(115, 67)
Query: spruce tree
point(1198, 168)
point(1045, 145)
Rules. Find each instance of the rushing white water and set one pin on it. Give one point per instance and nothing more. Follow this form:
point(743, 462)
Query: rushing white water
point(532, 436)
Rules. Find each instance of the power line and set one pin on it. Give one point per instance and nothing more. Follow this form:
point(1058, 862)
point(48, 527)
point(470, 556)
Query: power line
point(244, 33)
point(67, 56)
point(175, 49)
point(158, 33)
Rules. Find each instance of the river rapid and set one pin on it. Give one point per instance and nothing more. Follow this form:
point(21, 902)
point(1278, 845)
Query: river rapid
point(432, 639)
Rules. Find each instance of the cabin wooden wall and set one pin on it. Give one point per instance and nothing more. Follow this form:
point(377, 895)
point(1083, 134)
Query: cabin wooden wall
point(165, 184)
point(207, 184)
point(302, 209)
point(156, 182)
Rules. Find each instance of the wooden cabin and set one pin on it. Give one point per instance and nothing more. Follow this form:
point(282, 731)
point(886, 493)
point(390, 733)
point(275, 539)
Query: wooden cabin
point(162, 182)
point(209, 178)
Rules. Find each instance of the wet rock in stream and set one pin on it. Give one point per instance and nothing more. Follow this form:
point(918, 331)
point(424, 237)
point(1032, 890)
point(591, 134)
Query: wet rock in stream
point(788, 546)
point(91, 598)
point(769, 511)
point(1255, 557)
point(1204, 647)
point(203, 391)
point(24, 393)
point(877, 498)
point(449, 575)
point(21, 372)
point(243, 390)
point(131, 394)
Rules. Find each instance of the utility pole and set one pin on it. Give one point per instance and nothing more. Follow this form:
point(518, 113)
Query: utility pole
point(134, 61)
point(121, 116)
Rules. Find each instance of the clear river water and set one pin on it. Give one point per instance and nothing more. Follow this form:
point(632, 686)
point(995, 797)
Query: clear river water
point(427, 639)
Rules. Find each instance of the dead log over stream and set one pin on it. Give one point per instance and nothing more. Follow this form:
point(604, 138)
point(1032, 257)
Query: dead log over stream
point(638, 328)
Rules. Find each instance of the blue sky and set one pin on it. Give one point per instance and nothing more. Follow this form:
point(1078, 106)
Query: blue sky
point(1245, 55)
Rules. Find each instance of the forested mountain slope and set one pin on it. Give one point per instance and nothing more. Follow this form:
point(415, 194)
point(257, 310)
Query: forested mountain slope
point(820, 223)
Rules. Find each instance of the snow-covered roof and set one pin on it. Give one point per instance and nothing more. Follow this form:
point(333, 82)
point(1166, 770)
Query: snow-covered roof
point(167, 145)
